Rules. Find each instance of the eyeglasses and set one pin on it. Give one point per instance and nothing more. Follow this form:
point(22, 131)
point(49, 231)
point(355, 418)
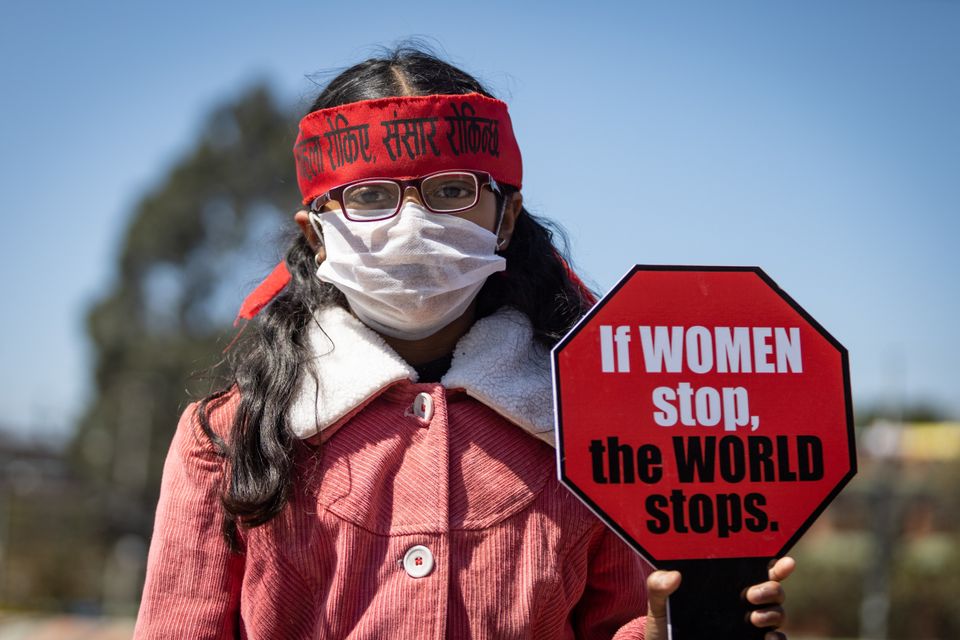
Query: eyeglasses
point(375, 199)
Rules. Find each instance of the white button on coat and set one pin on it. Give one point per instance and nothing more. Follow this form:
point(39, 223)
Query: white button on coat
point(418, 561)
point(423, 406)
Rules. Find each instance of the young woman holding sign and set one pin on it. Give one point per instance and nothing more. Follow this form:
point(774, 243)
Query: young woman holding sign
point(382, 465)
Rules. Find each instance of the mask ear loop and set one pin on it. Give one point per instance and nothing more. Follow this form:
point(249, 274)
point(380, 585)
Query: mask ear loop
point(321, 253)
point(503, 210)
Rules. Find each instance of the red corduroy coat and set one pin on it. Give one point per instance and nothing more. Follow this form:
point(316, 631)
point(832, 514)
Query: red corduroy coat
point(418, 511)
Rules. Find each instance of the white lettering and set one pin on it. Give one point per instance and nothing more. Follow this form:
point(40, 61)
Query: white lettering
point(702, 350)
point(733, 349)
point(762, 350)
point(788, 350)
point(708, 406)
point(736, 410)
point(606, 348)
point(699, 349)
point(667, 416)
point(685, 391)
point(661, 350)
point(622, 337)
point(704, 406)
point(611, 360)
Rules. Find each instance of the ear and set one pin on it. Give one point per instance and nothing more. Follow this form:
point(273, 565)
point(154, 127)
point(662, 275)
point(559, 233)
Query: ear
point(302, 218)
point(510, 213)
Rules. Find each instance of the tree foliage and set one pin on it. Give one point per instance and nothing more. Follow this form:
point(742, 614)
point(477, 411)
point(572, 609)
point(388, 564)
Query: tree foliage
point(166, 320)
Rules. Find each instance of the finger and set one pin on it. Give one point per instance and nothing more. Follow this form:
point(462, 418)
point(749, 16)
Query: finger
point(774, 635)
point(660, 584)
point(770, 617)
point(766, 593)
point(782, 568)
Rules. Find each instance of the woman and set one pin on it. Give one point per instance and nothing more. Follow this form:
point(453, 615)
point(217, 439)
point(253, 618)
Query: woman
point(382, 466)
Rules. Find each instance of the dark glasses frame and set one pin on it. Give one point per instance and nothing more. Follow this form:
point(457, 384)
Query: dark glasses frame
point(483, 179)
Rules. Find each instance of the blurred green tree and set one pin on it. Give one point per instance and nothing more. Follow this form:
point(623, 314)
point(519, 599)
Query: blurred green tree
point(164, 324)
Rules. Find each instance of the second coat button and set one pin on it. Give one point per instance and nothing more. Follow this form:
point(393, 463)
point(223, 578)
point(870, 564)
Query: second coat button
point(418, 561)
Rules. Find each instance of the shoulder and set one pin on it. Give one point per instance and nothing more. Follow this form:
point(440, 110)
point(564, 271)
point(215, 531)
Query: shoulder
point(217, 412)
point(204, 430)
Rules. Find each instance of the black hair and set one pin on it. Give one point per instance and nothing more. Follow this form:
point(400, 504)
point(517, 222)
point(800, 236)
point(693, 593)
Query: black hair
point(268, 362)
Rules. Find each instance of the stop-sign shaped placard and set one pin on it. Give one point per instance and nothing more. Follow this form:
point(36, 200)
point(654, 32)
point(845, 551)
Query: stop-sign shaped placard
point(703, 414)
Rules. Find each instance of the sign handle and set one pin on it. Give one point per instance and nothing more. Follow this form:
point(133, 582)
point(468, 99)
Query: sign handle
point(711, 601)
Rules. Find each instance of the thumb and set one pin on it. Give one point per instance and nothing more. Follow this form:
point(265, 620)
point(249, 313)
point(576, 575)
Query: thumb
point(660, 584)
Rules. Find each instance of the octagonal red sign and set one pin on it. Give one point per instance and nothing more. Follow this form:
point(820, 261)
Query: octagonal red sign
point(702, 413)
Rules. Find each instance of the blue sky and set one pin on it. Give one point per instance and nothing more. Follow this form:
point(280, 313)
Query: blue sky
point(818, 140)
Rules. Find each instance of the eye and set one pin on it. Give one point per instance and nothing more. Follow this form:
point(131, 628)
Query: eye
point(365, 196)
point(454, 189)
point(450, 192)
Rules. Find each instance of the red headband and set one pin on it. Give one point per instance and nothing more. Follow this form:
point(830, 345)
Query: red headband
point(405, 138)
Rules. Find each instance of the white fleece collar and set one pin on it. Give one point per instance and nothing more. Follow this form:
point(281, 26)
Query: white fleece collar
point(497, 362)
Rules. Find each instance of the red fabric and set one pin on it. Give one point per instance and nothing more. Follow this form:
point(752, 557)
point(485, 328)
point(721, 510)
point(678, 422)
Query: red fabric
point(516, 555)
point(405, 137)
point(265, 292)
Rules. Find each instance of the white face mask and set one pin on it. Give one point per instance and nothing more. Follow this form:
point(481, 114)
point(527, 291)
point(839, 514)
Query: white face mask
point(410, 275)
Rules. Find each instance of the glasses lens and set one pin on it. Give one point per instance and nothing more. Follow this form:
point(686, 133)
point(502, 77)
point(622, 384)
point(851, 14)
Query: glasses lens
point(452, 191)
point(371, 200)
